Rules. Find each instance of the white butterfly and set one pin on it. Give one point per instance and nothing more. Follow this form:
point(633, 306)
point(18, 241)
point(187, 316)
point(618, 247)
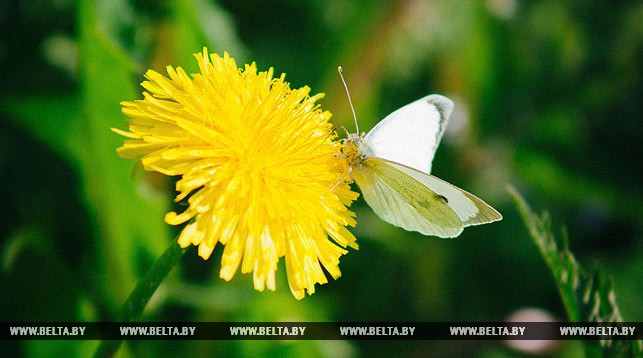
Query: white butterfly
point(391, 165)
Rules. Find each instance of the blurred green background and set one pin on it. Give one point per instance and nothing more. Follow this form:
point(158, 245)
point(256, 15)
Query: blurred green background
point(548, 98)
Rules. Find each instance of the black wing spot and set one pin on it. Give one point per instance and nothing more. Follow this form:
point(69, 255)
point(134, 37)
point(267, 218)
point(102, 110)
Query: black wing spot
point(443, 198)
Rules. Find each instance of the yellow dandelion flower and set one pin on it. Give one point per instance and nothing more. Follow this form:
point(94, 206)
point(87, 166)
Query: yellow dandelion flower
point(256, 160)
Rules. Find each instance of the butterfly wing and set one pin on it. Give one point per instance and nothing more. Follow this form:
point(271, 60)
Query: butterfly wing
point(411, 134)
point(394, 174)
point(403, 201)
point(470, 209)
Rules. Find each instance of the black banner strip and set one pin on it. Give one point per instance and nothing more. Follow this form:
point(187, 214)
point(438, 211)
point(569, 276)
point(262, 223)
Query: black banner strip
point(322, 331)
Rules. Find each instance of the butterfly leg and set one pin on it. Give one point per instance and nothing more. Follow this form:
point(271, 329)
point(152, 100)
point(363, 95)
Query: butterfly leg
point(350, 170)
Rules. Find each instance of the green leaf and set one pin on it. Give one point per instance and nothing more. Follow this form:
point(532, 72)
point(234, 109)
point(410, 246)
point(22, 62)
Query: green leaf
point(128, 223)
point(587, 296)
point(53, 119)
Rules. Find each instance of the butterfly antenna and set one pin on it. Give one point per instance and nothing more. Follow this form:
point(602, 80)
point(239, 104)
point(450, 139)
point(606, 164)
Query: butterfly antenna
point(341, 75)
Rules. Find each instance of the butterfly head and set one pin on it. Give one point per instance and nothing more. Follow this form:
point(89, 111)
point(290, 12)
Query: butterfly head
point(353, 147)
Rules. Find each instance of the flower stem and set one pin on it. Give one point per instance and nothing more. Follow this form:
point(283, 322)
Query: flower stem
point(142, 293)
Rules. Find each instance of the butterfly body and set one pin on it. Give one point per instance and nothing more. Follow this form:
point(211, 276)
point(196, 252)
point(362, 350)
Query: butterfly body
point(392, 163)
point(354, 150)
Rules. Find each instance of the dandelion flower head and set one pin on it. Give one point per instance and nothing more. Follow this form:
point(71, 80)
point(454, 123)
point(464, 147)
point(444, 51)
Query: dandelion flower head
point(256, 161)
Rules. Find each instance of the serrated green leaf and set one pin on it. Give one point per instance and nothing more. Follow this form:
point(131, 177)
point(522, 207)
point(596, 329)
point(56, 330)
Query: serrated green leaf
point(587, 297)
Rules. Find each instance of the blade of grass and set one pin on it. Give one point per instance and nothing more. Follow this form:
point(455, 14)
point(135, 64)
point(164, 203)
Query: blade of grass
point(587, 297)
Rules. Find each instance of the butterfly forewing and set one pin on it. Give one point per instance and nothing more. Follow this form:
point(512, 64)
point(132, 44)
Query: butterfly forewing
point(391, 165)
point(411, 134)
point(403, 201)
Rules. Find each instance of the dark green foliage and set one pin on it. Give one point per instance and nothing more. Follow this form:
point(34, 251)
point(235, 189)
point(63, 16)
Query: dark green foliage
point(548, 97)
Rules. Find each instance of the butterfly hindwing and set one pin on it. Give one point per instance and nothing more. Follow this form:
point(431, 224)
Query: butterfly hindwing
point(403, 201)
point(470, 209)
